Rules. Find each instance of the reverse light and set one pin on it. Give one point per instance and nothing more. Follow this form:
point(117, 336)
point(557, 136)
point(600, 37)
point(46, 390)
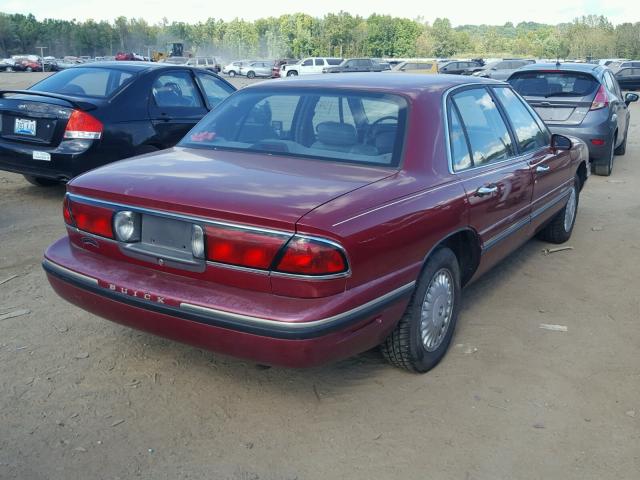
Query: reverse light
point(89, 218)
point(304, 256)
point(197, 241)
point(127, 226)
point(81, 125)
point(601, 99)
point(241, 247)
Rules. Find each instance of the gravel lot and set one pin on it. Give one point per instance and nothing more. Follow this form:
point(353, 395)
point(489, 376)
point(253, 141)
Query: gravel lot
point(81, 397)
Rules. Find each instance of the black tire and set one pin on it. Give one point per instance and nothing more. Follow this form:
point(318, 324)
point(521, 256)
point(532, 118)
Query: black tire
point(251, 74)
point(622, 148)
point(404, 347)
point(604, 166)
point(9, 69)
point(292, 73)
point(29, 69)
point(232, 73)
point(40, 181)
point(556, 230)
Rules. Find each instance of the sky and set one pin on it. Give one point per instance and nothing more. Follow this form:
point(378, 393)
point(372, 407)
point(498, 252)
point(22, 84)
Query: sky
point(492, 12)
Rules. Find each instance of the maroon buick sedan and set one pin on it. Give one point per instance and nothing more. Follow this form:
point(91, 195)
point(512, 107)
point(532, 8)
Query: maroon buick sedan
point(307, 220)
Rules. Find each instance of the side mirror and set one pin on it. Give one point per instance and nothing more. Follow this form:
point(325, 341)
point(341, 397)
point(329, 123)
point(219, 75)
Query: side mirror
point(631, 97)
point(560, 142)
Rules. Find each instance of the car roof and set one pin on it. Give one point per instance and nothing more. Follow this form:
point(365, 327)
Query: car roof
point(131, 66)
point(565, 67)
point(387, 82)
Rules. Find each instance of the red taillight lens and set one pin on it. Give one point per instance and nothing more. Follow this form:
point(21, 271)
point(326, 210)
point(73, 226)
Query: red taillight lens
point(242, 247)
point(81, 125)
point(304, 256)
point(601, 99)
point(89, 218)
point(66, 212)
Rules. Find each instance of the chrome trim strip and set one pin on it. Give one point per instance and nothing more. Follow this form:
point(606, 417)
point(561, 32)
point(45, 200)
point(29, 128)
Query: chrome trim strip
point(286, 236)
point(295, 325)
point(65, 271)
point(549, 204)
point(176, 216)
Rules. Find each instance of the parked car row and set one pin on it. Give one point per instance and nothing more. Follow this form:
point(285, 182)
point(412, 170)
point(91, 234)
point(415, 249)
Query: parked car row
point(302, 221)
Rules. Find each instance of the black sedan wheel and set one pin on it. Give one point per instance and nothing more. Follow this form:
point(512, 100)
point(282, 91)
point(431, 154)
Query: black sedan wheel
point(423, 334)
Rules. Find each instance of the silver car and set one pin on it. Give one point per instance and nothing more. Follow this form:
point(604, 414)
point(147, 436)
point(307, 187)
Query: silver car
point(261, 68)
point(502, 69)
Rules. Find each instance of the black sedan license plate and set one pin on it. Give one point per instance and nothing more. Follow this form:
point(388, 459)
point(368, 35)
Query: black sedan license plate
point(25, 126)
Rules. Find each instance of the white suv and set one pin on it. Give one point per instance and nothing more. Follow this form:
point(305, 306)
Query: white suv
point(308, 66)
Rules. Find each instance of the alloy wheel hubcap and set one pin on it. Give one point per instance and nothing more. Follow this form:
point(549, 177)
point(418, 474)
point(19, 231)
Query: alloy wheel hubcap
point(437, 307)
point(570, 210)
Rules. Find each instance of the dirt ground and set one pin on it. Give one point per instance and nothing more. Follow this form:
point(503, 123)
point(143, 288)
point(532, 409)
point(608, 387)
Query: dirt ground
point(84, 398)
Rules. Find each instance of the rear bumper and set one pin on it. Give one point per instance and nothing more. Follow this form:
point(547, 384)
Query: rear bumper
point(588, 133)
point(325, 335)
point(66, 161)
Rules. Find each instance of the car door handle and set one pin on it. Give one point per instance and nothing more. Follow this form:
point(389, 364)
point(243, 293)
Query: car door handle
point(542, 168)
point(486, 190)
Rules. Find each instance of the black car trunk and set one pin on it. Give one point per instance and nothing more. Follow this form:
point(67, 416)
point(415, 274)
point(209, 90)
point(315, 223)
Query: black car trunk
point(559, 97)
point(36, 119)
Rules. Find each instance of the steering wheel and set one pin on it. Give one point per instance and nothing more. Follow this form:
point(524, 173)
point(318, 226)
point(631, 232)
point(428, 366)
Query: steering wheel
point(174, 87)
point(369, 136)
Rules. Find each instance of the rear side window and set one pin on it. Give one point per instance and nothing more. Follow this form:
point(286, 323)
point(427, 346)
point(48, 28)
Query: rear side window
point(528, 133)
point(214, 89)
point(85, 82)
point(460, 156)
point(319, 61)
point(486, 131)
point(554, 84)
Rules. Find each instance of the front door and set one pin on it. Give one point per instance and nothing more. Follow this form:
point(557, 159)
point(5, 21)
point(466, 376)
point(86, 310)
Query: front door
point(176, 105)
point(496, 179)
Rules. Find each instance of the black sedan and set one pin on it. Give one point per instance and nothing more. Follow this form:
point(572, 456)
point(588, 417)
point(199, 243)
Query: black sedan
point(629, 78)
point(93, 114)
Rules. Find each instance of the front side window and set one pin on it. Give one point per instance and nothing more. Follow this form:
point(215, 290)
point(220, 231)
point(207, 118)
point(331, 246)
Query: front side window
point(341, 126)
point(176, 89)
point(487, 133)
point(214, 89)
point(528, 133)
point(307, 63)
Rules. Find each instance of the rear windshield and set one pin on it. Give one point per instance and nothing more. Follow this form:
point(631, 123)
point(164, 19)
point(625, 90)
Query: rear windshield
point(346, 126)
point(554, 84)
point(85, 82)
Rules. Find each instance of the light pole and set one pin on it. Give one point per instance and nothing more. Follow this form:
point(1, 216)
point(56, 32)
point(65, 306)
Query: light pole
point(42, 55)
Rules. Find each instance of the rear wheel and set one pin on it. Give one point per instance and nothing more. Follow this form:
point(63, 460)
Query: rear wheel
point(559, 229)
point(40, 181)
point(622, 148)
point(424, 332)
point(292, 73)
point(29, 69)
point(605, 165)
point(251, 75)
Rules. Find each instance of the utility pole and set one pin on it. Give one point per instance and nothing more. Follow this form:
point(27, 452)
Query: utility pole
point(42, 49)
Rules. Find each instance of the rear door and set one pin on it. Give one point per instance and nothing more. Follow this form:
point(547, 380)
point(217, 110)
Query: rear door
point(318, 65)
point(551, 170)
point(497, 181)
point(559, 97)
point(175, 105)
point(617, 105)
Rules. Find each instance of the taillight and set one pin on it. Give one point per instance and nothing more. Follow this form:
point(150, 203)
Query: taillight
point(81, 125)
point(601, 99)
point(89, 218)
point(304, 256)
point(244, 248)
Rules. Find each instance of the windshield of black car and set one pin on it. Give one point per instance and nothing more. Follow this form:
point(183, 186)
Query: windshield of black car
point(554, 84)
point(338, 125)
point(85, 82)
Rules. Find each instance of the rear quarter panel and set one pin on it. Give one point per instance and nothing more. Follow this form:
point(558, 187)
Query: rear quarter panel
point(390, 226)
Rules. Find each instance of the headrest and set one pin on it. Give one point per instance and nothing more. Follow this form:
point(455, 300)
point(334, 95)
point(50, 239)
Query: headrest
point(335, 133)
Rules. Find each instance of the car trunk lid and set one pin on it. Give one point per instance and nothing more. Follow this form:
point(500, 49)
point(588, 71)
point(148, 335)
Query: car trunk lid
point(559, 97)
point(36, 118)
point(253, 189)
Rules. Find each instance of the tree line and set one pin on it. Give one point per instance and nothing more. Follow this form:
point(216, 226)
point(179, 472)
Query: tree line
point(336, 34)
